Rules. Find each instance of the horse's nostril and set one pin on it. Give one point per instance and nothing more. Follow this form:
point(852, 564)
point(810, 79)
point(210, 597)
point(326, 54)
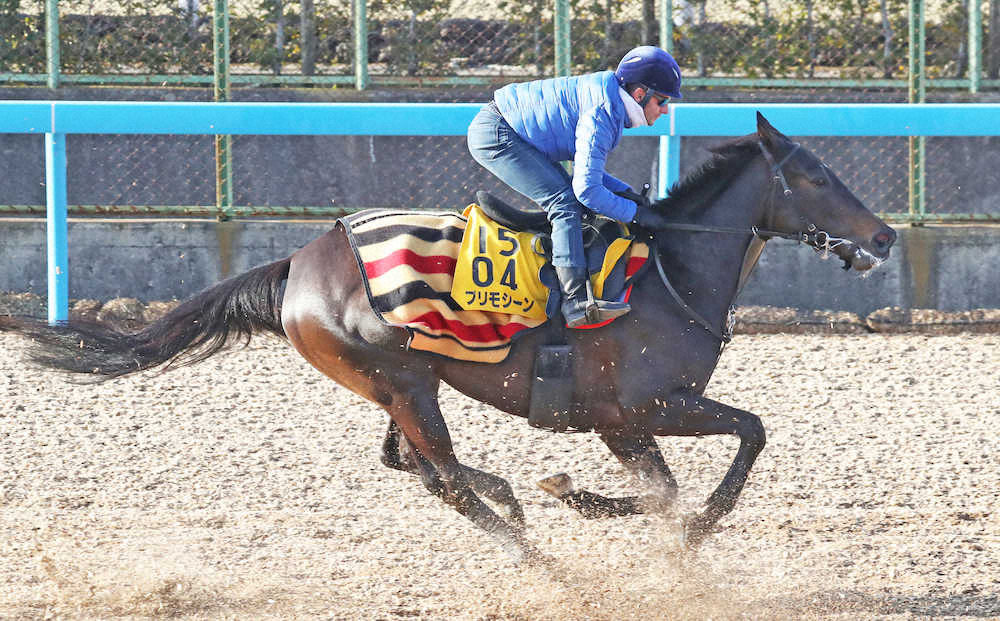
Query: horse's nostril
point(883, 240)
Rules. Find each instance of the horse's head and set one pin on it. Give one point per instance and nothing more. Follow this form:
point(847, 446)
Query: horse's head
point(810, 198)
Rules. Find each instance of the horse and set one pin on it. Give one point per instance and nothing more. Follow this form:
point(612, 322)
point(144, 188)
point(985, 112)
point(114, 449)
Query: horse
point(639, 378)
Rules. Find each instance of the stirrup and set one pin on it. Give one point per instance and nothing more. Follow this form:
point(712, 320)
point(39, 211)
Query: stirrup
point(611, 310)
point(581, 311)
point(599, 311)
point(593, 312)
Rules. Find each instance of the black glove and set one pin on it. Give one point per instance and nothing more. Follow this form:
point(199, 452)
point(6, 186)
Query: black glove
point(635, 197)
point(645, 216)
point(649, 219)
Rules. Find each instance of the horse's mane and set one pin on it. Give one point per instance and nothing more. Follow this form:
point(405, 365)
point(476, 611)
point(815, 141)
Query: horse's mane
point(711, 177)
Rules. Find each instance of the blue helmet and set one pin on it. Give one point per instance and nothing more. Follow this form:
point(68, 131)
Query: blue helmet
point(651, 67)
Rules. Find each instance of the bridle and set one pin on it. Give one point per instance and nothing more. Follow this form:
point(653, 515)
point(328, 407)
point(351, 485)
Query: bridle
point(811, 236)
point(819, 240)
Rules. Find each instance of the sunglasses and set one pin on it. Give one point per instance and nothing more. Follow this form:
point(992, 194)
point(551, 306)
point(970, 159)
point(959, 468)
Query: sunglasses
point(661, 100)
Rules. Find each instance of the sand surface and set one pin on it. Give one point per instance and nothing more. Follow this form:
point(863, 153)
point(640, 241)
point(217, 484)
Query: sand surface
point(249, 487)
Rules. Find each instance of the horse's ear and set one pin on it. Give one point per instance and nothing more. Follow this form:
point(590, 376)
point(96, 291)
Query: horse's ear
point(766, 131)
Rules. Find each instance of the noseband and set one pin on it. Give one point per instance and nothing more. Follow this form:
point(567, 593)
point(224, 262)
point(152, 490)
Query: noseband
point(821, 241)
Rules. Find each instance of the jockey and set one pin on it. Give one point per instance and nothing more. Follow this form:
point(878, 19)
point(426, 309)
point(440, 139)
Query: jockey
point(530, 127)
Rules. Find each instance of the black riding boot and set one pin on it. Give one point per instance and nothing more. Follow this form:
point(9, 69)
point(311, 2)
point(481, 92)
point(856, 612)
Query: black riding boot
point(578, 304)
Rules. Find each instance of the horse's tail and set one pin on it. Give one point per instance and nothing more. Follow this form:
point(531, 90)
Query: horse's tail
point(227, 312)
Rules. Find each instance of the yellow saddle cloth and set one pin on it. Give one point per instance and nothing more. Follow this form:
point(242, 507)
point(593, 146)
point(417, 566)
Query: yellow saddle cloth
point(462, 285)
point(500, 270)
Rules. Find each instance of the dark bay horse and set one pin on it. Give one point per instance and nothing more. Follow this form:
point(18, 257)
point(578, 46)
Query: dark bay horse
point(640, 377)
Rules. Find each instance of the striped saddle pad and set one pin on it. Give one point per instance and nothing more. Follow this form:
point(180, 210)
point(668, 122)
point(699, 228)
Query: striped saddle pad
point(408, 260)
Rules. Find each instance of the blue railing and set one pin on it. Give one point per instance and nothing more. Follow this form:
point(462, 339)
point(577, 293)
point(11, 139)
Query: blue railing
point(56, 119)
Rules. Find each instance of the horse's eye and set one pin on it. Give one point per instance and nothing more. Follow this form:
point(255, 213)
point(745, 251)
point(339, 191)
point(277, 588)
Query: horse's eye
point(819, 181)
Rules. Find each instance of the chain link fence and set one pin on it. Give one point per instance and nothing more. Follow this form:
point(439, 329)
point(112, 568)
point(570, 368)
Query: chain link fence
point(851, 51)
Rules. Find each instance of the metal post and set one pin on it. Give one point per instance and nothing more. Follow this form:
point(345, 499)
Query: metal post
point(670, 146)
point(52, 41)
point(917, 53)
point(307, 33)
point(975, 44)
point(220, 49)
point(667, 25)
point(223, 144)
point(361, 44)
point(670, 164)
point(917, 95)
point(563, 59)
point(56, 227)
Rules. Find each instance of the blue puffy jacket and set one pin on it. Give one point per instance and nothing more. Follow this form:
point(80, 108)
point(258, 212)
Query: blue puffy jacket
point(577, 118)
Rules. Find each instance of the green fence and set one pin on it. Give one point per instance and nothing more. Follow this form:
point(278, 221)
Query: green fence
point(446, 51)
point(850, 44)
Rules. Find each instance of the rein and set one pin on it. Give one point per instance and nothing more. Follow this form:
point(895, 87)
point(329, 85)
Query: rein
point(810, 238)
point(725, 335)
point(818, 240)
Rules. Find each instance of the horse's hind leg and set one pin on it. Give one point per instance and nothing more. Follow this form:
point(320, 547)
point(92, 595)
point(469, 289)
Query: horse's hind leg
point(397, 454)
point(642, 457)
point(326, 316)
point(410, 398)
point(419, 418)
point(409, 395)
point(589, 504)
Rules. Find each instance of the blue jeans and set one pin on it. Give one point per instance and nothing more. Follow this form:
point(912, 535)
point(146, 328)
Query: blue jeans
point(494, 144)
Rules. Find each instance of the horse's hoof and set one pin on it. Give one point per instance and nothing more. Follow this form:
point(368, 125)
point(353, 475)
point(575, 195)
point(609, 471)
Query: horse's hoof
point(557, 485)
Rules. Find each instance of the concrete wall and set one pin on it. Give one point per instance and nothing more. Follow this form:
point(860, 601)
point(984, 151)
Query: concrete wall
point(946, 268)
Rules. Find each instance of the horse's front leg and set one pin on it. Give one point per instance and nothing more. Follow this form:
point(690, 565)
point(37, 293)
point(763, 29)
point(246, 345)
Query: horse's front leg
point(642, 457)
point(688, 414)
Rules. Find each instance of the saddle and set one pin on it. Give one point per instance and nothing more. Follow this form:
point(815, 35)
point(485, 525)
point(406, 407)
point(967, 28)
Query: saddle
point(533, 220)
point(411, 262)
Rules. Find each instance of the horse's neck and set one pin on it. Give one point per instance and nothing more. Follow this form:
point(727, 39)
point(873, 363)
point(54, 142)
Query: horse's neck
point(715, 265)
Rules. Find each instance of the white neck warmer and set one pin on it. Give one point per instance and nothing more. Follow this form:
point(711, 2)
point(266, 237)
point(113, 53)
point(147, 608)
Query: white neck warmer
point(636, 117)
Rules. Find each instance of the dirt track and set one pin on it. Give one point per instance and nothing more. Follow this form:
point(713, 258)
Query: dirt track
point(250, 487)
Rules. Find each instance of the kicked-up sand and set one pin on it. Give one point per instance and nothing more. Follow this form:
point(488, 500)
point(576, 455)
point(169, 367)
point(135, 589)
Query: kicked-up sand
point(250, 487)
